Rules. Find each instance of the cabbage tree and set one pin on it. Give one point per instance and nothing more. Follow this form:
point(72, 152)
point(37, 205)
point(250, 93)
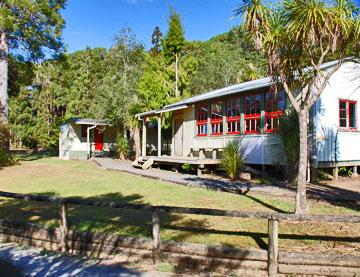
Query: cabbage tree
point(295, 34)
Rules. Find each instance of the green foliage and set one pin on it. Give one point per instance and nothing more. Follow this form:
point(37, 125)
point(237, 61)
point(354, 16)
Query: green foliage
point(187, 168)
point(122, 147)
point(222, 63)
point(345, 171)
point(156, 41)
point(118, 83)
point(232, 159)
point(166, 267)
point(32, 25)
point(289, 132)
point(5, 158)
point(174, 41)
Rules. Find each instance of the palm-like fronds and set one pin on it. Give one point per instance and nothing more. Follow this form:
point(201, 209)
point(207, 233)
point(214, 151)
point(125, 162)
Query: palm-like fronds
point(232, 159)
point(308, 19)
point(256, 14)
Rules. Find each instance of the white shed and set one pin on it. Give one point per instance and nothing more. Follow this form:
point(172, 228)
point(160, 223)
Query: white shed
point(82, 138)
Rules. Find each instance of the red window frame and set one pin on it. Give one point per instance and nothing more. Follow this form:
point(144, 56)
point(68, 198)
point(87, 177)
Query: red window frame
point(233, 103)
point(252, 114)
point(216, 122)
point(347, 110)
point(202, 118)
point(273, 111)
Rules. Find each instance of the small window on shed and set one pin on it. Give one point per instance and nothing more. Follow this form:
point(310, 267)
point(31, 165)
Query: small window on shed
point(84, 131)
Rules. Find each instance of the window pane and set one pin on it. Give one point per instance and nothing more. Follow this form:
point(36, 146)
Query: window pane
point(216, 110)
point(343, 114)
point(343, 123)
point(202, 112)
point(282, 101)
point(233, 107)
point(342, 105)
point(352, 115)
point(252, 104)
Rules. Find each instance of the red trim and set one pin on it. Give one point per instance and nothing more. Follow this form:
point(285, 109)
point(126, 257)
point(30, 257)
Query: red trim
point(202, 117)
point(252, 118)
point(235, 118)
point(272, 115)
point(216, 120)
point(231, 120)
point(347, 118)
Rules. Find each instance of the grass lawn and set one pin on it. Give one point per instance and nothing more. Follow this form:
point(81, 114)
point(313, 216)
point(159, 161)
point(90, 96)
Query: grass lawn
point(48, 175)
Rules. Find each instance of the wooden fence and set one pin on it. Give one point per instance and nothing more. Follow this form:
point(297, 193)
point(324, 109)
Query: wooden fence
point(157, 247)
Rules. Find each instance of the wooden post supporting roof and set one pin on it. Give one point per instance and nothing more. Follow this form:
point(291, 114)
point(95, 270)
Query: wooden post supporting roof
point(143, 150)
point(159, 136)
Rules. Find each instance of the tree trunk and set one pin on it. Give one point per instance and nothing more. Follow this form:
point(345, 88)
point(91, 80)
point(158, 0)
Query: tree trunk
point(137, 142)
point(4, 50)
point(301, 203)
point(176, 76)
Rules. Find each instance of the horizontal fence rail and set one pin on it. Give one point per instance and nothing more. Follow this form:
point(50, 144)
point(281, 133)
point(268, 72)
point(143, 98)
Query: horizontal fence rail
point(272, 217)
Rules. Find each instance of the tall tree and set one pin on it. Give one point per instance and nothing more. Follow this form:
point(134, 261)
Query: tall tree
point(296, 34)
point(117, 96)
point(156, 41)
point(173, 44)
point(31, 27)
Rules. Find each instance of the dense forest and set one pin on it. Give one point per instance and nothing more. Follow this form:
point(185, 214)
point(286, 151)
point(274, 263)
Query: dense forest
point(117, 83)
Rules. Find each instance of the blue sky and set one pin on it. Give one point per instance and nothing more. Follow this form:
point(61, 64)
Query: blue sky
point(94, 23)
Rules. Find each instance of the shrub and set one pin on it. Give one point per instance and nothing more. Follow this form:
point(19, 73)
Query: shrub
point(5, 158)
point(345, 171)
point(187, 168)
point(122, 147)
point(232, 159)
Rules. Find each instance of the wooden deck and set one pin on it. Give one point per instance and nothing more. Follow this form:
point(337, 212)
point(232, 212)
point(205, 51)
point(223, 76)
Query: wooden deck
point(182, 160)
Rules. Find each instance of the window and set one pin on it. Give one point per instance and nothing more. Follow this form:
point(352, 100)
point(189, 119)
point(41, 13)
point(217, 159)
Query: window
point(84, 131)
point(201, 119)
point(233, 116)
point(216, 119)
point(252, 113)
point(275, 105)
point(347, 114)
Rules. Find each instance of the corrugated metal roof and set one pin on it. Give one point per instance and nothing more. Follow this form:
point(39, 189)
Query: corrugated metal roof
point(89, 121)
point(234, 89)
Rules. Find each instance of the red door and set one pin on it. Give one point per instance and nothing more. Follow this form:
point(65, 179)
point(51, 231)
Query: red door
point(99, 140)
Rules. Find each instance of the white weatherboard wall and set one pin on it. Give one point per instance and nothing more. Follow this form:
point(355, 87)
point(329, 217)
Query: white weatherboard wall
point(64, 149)
point(333, 144)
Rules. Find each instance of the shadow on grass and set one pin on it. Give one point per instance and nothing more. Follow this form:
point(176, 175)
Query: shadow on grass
point(33, 155)
point(131, 223)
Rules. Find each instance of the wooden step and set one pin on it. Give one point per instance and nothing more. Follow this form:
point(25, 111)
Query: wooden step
point(138, 163)
point(148, 164)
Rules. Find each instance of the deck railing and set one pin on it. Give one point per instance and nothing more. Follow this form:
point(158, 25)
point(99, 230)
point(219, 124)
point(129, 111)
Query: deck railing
point(272, 217)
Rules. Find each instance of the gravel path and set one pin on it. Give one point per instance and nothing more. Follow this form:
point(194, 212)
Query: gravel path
point(34, 262)
point(192, 180)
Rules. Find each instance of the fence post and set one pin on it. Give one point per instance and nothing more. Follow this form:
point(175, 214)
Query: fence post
point(273, 247)
point(63, 227)
point(156, 235)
